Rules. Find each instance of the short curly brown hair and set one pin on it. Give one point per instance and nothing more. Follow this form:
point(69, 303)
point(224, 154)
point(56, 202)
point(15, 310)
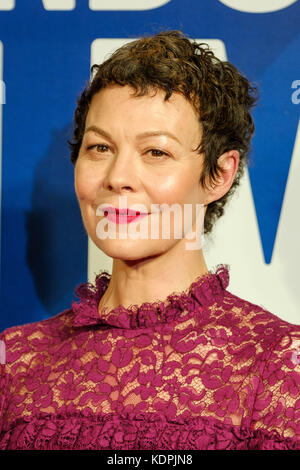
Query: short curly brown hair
point(221, 95)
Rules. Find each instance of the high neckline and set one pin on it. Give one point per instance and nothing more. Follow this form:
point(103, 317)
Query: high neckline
point(205, 290)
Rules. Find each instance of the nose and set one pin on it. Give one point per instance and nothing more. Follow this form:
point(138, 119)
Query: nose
point(121, 173)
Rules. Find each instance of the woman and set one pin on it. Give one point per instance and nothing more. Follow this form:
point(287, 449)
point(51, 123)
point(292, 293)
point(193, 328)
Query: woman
point(159, 354)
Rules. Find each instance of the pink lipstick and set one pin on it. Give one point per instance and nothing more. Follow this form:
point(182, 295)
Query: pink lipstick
point(123, 216)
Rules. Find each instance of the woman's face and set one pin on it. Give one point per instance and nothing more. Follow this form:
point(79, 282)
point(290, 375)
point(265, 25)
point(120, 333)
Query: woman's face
point(119, 156)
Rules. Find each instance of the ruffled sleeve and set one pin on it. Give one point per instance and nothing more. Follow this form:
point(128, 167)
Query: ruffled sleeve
point(276, 409)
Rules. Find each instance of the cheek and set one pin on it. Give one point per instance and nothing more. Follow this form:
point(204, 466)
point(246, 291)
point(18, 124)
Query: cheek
point(175, 189)
point(83, 182)
point(165, 189)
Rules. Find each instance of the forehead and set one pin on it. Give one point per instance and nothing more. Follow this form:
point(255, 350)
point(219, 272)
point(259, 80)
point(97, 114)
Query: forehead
point(116, 110)
point(118, 103)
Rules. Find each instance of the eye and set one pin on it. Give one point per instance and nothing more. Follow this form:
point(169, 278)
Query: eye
point(159, 151)
point(97, 145)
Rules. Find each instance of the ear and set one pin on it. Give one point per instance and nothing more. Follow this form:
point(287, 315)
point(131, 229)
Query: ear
point(229, 161)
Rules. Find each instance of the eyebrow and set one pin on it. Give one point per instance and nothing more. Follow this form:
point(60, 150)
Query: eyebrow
point(102, 132)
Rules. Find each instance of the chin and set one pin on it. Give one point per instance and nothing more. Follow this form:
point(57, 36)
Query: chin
point(130, 250)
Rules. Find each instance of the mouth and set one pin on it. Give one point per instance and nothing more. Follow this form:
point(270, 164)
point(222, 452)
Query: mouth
point(122, 212)
point(123, 216)
point(127, 212)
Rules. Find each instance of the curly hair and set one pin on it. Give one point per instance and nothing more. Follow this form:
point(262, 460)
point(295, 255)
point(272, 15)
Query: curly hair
point(220, 94)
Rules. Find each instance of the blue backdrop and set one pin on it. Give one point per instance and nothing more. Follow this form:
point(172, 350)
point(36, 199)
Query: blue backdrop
point(46, 64)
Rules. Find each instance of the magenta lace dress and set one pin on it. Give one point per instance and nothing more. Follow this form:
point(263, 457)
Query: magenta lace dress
point(204, 369)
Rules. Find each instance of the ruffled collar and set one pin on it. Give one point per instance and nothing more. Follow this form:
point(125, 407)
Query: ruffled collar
point(205, 290)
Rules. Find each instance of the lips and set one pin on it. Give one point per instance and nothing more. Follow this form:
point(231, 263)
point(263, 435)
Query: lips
point(124, 212)
point(123, 218)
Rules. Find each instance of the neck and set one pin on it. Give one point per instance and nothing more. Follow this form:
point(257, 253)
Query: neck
point(151, 279)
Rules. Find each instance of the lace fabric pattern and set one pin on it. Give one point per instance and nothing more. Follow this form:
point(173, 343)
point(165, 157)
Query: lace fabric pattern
point(203, 369)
